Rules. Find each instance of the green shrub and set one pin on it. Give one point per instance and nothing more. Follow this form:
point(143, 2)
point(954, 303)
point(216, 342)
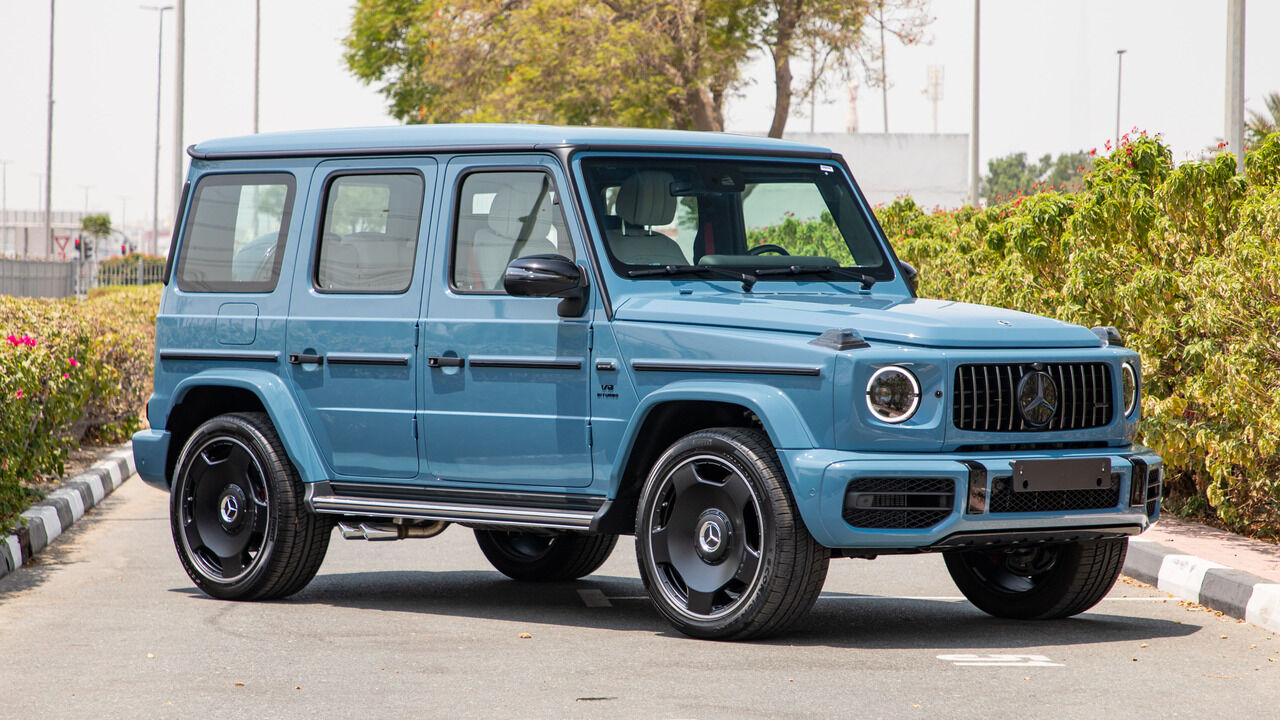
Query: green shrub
point(68, 368)
point(1185, 261)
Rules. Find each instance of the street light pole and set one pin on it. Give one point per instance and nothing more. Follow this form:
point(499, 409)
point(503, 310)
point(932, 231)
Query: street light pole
point(257, 57)
point(973, 121)
point(178, 71)
point(155, 188)
point(48, 149)
point(1235, 80)
point(4, 204)
point(1119, 63)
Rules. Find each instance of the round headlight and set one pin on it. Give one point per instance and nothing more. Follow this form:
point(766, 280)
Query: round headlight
point(893, 394)
point(1129, 388)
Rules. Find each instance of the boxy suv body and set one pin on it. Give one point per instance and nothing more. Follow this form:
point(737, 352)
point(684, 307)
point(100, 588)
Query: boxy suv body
point(555, 336)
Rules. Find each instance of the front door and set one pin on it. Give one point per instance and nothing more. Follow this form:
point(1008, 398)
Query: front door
point(352, 329)
point(506, 391)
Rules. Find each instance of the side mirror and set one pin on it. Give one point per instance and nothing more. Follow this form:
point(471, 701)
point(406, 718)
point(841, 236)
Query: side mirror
point(548, 276)
point(909, 274)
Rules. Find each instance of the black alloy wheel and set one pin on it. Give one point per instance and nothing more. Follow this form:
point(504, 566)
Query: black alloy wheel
point(237, 514)
point(1042, 582)
point(721, 547)
point(545, 557)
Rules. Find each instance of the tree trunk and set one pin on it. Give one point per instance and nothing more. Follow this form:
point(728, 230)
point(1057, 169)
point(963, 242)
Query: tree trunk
point(783, 37)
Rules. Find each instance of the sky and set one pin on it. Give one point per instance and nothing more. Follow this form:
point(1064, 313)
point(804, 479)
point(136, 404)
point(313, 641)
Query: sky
point(1048, 83)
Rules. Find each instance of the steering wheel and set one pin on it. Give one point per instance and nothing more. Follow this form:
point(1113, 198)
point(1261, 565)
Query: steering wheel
point(768, 247)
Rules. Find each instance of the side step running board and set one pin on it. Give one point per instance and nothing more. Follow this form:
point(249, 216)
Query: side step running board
point(470, 506)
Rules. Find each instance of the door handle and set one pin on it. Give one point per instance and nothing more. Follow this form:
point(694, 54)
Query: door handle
point(300, 358)
point(444, 362)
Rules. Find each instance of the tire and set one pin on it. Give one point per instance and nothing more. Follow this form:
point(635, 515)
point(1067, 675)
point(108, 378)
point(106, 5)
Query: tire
point(239, 522)
point(722, 549)
point(1041, 583)
point(536, 557)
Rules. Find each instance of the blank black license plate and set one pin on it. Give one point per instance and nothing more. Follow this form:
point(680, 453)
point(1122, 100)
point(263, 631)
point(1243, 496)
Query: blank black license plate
point(1061, 474)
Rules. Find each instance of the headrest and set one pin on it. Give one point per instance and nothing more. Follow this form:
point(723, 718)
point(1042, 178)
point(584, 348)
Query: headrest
point(512, 203)
point(645, 199)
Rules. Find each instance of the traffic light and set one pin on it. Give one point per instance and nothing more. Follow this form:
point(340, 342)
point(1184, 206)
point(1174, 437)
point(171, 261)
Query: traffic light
point(77, 243)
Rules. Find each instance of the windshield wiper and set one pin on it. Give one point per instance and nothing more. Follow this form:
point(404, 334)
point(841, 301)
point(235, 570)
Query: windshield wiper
point(748, 281)
point(866, 280)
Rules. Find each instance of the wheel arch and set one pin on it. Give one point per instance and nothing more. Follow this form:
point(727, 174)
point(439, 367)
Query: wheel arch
point(209, 394)
point(676, 410)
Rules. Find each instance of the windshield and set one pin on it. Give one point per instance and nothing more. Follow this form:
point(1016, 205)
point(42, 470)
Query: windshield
point(745, 215)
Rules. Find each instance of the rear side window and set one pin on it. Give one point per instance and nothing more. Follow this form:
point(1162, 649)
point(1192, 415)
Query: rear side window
point(235, 233)
point(370, 233)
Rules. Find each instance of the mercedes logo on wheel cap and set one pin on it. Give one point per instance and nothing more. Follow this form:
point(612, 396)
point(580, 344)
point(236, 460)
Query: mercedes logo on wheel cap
point(229, 508)
point(1037, 398)
point(709, 536)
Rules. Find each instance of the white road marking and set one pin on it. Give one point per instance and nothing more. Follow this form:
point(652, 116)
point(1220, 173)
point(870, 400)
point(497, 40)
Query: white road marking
point(933, 598)
point(593, 598)
point(967, 660)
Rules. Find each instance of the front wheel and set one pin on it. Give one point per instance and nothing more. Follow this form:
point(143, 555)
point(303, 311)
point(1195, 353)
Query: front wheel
point(239, 522)
point(722, 550)
point(1038, 583)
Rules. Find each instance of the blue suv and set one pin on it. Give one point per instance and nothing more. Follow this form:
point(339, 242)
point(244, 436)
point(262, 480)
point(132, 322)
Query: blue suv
point(556, 336)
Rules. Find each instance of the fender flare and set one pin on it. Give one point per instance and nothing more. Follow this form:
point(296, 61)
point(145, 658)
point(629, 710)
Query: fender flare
point(782, 422)
point(280, 406)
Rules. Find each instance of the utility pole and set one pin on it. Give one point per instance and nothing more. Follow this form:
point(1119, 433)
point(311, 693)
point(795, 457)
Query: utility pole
point(178, 70)
point(48, 149)
point(1119, 63)
point(933, 91)
point(4, 204)
point(155, 188)
point(1235, 80)
point(257, 58)
point(884, 75)
point(973, 121)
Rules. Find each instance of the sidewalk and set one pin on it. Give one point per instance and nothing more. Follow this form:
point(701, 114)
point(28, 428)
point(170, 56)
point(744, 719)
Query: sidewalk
point(1226, 572)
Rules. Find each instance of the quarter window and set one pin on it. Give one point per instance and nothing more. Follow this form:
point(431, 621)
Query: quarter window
point(503, 216)
point(370, 234)
point(235, 233)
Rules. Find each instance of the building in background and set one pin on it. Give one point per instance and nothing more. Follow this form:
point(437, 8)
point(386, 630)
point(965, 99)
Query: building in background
point(932, 169)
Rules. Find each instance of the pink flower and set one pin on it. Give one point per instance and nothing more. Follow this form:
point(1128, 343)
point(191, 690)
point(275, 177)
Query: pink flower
point(19, 394)
point(30, 341)
point(65, 376)
point(73, 362)
point(13, 340)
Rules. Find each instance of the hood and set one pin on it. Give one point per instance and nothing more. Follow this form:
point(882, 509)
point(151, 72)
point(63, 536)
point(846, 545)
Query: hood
point(908, 321)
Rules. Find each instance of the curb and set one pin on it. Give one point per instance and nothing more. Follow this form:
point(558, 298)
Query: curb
point(1241, 595)
point(61, 508)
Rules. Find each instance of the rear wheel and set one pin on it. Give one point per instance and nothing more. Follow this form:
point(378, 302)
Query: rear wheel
point(722, 550)
point(239, 522)
point(545, 557)
point(1039, 583)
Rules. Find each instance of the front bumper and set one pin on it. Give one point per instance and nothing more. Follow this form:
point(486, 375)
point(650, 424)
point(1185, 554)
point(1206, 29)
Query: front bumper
point(820, 480)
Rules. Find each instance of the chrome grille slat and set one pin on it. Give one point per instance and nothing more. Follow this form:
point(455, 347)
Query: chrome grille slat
point(985, 397)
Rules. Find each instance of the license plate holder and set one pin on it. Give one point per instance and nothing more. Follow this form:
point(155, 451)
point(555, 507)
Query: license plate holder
point(1061, 474)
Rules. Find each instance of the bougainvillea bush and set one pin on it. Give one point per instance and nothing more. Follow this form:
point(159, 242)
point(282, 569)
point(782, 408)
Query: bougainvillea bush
point(1185, 261)
point(68, 369)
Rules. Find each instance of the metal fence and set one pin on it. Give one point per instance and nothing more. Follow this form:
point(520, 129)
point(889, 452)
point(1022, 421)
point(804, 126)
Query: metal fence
point(42, 278)
point(38, 278)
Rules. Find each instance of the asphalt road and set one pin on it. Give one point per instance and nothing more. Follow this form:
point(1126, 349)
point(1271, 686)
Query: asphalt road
point(106, 624)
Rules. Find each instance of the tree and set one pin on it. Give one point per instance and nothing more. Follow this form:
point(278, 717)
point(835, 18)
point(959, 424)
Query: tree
point(1259, 126)
point(643, 63)
point(95, 226)
point(1014, 175)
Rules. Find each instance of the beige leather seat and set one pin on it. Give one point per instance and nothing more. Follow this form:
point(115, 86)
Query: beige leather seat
point(494, 245)
point(645, 200)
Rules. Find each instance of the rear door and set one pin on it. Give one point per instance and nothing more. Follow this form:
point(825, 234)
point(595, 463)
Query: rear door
point(507, 378)
point(352, 329)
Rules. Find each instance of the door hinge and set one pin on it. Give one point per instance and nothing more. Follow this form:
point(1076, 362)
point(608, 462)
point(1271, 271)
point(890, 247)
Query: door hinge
point(591, 337)
point(590, 438)
point(413, 422)
point(416, 332)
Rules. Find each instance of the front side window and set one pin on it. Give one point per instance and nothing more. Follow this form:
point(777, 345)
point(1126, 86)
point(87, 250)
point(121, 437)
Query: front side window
point(235, 233)
point(501, 216)
point(748, 216)
point(370, 233)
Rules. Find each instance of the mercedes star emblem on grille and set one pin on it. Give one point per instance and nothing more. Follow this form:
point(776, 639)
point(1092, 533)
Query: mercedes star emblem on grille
point(1037, 398)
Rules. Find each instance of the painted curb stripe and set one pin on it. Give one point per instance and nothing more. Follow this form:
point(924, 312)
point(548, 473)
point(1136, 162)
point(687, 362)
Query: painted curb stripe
point(61, 508)
point(1264, 606)
point(1183, 575)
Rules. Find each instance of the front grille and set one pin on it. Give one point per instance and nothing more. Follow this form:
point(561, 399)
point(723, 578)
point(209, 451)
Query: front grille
point(898, 503)
point(1005, 500)
point(984, 396)
point(1154, 491)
